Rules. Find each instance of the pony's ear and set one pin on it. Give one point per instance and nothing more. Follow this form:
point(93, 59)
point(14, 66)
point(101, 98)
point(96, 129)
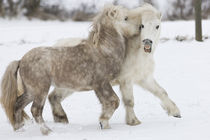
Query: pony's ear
point(112, 13)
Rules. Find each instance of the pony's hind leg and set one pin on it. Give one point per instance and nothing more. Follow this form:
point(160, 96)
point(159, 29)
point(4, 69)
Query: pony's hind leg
point(167, 104)
point(109, 101)
point(37, 109)
point(20, 104)
point(126, 89)
point(55, 98)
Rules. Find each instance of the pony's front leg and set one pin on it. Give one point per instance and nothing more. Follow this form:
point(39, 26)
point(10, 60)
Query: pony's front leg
point(109, 101)
point(167, 104)
point(126, 89)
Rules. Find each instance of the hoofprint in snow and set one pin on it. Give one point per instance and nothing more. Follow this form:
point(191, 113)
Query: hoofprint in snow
point(182, 68)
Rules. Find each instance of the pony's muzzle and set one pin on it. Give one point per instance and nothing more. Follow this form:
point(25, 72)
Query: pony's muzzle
point(147, 45)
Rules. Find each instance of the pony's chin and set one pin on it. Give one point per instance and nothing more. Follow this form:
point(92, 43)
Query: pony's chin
point(148, 49)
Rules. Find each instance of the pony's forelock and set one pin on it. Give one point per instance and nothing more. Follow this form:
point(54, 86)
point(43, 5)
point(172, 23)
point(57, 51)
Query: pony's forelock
point(146, 7)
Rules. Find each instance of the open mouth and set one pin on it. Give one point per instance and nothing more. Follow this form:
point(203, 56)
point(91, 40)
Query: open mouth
point(147, 48)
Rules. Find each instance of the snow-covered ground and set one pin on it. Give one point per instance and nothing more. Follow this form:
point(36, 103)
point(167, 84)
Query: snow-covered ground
point(182, 68)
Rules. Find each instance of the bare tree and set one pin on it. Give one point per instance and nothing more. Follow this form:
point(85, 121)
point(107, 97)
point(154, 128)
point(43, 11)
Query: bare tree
point(149, 1)
point(179, 7)
point(198, 20)
point(1, 8)
point(146, 1)
point(116, 2)
point(11, 8)
point(14, 7)
point(32, 6)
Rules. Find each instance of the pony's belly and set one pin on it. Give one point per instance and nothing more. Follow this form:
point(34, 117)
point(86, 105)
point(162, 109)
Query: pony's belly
point(73, 87)
point(71, 81)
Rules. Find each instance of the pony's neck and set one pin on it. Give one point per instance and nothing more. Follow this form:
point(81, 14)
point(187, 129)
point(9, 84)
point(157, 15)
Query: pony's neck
point(112, 41)
point(111, 35)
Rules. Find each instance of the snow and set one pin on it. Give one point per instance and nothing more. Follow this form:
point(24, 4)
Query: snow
point(183, 28)
point(182, 68)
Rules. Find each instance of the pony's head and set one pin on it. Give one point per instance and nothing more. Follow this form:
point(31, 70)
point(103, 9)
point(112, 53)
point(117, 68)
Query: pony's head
point(150, 27)
point(125, 21)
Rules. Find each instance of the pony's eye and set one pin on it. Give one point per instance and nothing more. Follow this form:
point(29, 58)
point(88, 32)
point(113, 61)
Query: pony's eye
point(141, 26)
point(126, 18)
point(157, 27)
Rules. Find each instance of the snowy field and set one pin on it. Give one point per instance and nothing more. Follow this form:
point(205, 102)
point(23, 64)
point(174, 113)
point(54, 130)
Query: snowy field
point(182, 68)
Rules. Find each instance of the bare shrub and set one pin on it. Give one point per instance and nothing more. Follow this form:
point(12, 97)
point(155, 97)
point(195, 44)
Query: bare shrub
point(84, 12)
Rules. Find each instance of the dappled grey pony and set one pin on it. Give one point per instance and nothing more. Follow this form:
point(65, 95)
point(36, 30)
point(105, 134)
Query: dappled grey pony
point(90, 65)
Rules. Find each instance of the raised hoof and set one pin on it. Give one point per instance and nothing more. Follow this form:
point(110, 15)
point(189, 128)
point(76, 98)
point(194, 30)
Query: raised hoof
point(133, 122)
point(45, 130)
point(61, 119)
point(104, 125)
point(172, 110)
point(177, 116)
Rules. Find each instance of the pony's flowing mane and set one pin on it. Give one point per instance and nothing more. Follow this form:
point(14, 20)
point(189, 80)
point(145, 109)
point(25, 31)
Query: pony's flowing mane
point(100, 21)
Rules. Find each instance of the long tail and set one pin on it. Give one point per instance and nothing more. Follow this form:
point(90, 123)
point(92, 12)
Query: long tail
point(9, 90)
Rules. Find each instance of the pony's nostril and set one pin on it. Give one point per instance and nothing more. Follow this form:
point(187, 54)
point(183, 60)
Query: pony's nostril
point(147, 41)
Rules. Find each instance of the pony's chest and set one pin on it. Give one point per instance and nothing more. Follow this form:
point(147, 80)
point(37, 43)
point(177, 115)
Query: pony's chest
point(144, 68)
point(138, 68)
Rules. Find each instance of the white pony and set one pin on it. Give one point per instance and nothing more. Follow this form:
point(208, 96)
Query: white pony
point(138, 68)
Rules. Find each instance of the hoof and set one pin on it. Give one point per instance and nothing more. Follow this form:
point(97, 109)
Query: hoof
point(133, 122)
point(175, 113)
point(17, 127)
point(177, 116)
point(104, 125)
point(20, 130)
point(172, 110)
point(61, 119)
point(45, 130)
